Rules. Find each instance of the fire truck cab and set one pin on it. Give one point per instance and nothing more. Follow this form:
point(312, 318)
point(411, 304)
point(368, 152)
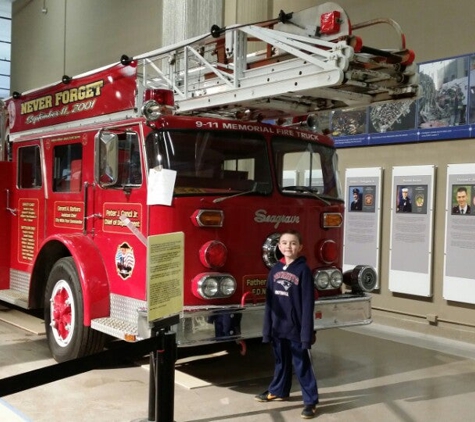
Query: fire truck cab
point(78, 157)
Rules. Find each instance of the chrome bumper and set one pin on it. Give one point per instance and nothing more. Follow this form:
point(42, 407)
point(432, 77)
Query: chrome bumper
point(209, 325)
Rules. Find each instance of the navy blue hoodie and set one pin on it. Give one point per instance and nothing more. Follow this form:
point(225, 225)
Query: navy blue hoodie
point(290, 303)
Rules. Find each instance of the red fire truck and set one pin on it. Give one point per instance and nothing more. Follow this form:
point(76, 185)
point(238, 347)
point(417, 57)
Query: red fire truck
point(77, 155)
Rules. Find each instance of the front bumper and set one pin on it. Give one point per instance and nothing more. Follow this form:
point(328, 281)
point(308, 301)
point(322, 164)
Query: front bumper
point(200, 325)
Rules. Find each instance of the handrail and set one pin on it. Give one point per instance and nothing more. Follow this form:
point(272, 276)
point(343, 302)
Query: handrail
point(389, 21)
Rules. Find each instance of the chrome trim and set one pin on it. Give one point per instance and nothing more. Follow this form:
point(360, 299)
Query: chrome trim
point(200, 326)
point(326, 226)
point(201, 211)
point(270, 250)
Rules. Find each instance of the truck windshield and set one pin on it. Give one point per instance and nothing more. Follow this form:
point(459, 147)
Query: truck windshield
point(211, 161)
point(306, 167)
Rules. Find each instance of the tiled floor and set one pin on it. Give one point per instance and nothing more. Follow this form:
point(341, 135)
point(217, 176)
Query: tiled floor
point(371, 373)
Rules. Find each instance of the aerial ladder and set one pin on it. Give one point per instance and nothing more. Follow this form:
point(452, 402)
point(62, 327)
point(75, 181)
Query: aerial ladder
point(304, 63)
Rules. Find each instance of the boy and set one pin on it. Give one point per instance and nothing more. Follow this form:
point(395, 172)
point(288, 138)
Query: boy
point(288, 324)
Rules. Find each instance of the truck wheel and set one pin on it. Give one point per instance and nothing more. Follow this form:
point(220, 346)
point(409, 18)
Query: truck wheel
point(68, 337)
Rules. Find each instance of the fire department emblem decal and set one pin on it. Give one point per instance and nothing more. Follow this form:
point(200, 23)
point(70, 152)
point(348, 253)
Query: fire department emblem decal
point(11, 114)
point(125, 260)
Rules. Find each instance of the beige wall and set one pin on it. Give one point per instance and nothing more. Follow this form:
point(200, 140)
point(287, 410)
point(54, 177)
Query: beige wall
point(77, 35)
point(244, 11)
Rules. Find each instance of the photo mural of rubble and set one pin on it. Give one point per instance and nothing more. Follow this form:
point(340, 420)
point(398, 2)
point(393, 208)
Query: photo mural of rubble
point(445, 110)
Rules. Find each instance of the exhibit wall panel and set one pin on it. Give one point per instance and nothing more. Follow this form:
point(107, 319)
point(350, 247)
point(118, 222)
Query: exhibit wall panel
point(459, 277)
point(362, 218)
point(410, 242)
point(454, 319)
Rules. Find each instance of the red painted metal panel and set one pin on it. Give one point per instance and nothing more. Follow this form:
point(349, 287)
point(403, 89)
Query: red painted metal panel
point(107, 91)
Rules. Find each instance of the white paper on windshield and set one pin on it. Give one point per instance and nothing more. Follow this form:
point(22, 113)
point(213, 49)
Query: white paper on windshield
point(161, 183)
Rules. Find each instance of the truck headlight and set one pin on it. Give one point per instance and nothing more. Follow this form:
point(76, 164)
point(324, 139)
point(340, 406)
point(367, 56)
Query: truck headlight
point(336, 279)
point(321, 280)
point(208, 287)
point(227, 286)
point(214, 285)
point(327, 279)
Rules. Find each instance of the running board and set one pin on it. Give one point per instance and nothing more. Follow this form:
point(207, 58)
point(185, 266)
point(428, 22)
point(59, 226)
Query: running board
point(116, 328)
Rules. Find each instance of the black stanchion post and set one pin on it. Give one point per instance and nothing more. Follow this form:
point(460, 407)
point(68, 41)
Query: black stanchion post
point(152, 384)
point(160, 386)
point(161, 391)
point(169, 373)
point(165, 370)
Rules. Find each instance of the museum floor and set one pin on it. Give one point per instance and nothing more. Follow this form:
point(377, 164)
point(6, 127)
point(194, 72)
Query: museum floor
point(372, 373)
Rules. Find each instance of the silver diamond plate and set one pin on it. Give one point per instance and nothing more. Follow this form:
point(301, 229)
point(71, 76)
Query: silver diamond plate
point(126, 308)
point(114, 327)
point(20, 280)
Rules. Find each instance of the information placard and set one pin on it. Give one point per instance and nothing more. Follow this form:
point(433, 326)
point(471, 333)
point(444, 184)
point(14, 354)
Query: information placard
point(459, 279)
point(410, 252)
point(165, 265)
point(362, 216)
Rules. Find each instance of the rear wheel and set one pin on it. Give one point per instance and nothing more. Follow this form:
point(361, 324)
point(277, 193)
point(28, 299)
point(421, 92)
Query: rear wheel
point(68, 337)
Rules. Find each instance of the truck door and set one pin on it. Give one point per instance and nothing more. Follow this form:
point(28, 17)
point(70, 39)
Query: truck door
point(6, 169)
point(121, 192)
point(28, 204)
point(65, 163)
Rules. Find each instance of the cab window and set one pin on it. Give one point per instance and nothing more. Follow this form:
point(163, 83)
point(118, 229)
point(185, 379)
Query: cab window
point(212, 162)
point(118, 159)
point(306, 167)
point(29, 168)
point(67, 171)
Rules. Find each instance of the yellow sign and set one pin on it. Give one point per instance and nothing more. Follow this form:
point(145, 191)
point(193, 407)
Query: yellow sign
point(165, 265)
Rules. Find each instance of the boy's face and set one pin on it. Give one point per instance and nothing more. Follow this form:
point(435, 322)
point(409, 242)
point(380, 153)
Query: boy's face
point(290, 246)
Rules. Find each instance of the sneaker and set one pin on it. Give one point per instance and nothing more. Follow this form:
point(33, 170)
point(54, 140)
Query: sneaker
point(308, 411)
point(266, 396)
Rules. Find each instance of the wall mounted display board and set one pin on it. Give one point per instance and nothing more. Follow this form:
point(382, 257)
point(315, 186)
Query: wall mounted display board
point(410, 251)
point(459, 251)
point(362, 218)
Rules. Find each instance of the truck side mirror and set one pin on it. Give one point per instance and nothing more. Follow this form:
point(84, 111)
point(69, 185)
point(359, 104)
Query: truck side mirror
point(108, 158)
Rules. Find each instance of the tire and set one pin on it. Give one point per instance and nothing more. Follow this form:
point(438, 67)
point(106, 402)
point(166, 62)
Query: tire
point(68, 337)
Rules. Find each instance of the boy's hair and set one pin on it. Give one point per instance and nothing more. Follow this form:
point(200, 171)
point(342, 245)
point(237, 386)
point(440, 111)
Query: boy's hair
point(296, 233)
